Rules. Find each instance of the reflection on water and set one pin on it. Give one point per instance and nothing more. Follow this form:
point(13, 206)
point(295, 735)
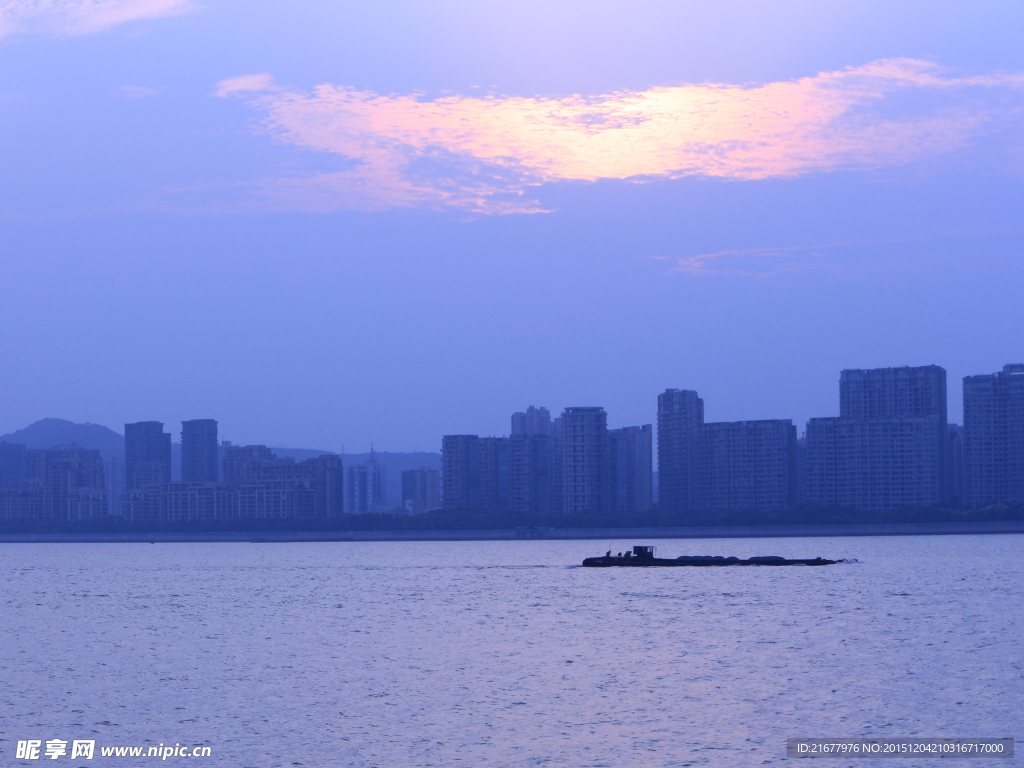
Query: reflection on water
point(501, 654)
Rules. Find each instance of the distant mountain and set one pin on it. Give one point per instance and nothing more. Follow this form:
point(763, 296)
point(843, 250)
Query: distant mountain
point(48, 433)
point(300, 454)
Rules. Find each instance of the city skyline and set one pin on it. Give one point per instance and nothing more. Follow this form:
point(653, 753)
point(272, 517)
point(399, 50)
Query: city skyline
point(954, 408)
point(265, 231)
point(890, 447)
point(397, 312)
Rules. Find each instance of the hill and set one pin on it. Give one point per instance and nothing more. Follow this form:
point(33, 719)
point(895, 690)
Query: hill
point(48, 433)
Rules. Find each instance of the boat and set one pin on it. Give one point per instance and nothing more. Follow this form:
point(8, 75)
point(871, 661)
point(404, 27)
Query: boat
point(643, 557)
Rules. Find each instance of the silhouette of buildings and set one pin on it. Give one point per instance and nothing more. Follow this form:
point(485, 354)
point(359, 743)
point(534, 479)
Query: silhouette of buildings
point(749, 465)
point(889, 446)
point(586, 470)
point(532, 421)
point(62, 483)
point(421, 490)
point(147, 455)
point(113, 470)
point(955, 464)
point(993, 437)
point(630, 460)
point(199, 451)
point(530, 490)
point(178, 502)
point(460, 472)
point(21, 504)
point(71, 480)
point(12, 465)
point(495, 475)
point(286, 488)
point(556, 465)
point(366, 492)
point(680, 419)
point(241, 464)
point(245, 463)
point(258, 485)
point(572, 465)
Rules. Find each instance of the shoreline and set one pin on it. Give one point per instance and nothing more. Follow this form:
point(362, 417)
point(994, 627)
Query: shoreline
point(527, 534)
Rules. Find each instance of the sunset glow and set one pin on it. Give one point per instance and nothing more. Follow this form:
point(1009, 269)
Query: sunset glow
point(483, 154)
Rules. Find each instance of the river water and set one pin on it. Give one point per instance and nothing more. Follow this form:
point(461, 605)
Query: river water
point(504, 654)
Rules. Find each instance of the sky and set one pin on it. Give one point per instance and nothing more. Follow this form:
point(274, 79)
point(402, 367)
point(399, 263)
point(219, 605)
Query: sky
point(335, 224)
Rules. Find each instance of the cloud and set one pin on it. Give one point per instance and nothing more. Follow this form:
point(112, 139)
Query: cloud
point(759, 262)
point(485, 154)
point(67, 18)
point(244, 84)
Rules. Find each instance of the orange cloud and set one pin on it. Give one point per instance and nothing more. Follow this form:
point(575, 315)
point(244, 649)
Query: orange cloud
point(484, 154)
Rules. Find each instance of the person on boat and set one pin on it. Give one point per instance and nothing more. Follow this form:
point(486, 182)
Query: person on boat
point(608, 553)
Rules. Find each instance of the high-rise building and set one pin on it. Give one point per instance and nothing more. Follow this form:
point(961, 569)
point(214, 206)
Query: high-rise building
point(70, 480)
point(802, 493)
point(199, 451)
point(421, 490)
point(16, 502)
point(147, 455)
point(748, 465)
point(545, 467)
point(113, 470)
point(264, 486)
point(21, 504)
point(680, 418)
point(888, 447)
point(583, 447)
point(12, 465)
point(285, 488)
point(556, 467)
point(993, 437)
point(460, 472)
point(891, 393)
point(532, 421)
point(530, 463)
point(62, 483)
point(475, 473)
point(954, 470)
point(819, 471)
point(365, 488)
point(630, 457)
point(495, 476)
point(245, 463)
point(202, 501)
point(328, 478)
point(875, 464)
point(531, 490)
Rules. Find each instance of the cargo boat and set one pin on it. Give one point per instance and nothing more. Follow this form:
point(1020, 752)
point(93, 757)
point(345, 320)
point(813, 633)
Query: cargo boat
point(643, 557)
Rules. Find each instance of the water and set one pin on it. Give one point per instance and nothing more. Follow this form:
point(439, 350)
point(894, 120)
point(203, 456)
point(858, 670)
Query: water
point(499, 654)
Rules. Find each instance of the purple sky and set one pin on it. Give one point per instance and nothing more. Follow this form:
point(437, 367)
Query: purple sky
point(329, 224)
